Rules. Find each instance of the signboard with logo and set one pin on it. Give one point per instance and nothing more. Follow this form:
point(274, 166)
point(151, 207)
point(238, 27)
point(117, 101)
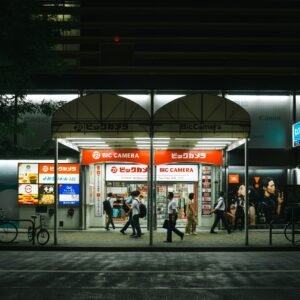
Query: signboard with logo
point(161, 156)
point(198, 156)
point(177, 173)
point(206, 191)
point(98, 156)
point(69, 194)
point(296, 134)
point(67, 173)
point(36, 182)
point(126, 172)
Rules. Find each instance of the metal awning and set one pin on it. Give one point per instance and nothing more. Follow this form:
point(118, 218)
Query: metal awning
point(106, 121)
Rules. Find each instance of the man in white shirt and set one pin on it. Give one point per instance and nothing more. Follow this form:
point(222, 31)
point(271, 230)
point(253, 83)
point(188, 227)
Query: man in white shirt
point(172, 211)
point(219, 210)
point(129, 221)
point(136, 214)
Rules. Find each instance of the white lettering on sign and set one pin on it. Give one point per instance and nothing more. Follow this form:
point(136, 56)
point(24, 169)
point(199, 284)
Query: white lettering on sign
point(178, 170)
point(177, 173)
point(188, 155)
point(126, 172)
point(97, 155)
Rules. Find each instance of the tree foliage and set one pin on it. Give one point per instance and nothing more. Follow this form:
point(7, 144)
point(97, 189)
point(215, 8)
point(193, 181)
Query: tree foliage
point(27, 40)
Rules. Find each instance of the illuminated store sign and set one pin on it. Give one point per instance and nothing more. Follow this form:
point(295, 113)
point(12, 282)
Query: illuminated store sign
point(160, 156)
point(177, 173)
point(124, 172)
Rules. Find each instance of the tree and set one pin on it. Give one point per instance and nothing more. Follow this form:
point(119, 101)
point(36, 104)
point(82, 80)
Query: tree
point(27, 40)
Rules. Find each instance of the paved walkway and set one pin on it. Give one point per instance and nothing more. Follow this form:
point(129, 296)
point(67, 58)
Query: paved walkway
point(100, 238)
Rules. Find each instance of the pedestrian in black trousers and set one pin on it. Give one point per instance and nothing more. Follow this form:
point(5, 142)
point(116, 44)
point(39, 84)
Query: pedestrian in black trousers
point(219, 210)
point(172, 211)
point(107, 207)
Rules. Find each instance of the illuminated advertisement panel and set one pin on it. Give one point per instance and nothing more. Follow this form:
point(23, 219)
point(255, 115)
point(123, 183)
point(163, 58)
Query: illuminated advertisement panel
point(36, 183)
point(68, 194)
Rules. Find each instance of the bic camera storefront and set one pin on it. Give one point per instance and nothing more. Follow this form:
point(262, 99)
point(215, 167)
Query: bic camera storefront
point(154, 146)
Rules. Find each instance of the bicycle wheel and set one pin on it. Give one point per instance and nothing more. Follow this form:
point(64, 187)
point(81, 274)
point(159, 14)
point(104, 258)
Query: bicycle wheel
point(43, 236)
point(288, 232)
point(30, 234)
point(8, 232)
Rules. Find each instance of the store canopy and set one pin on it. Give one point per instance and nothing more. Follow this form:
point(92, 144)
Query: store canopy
point(106, 121)
point(202, 116)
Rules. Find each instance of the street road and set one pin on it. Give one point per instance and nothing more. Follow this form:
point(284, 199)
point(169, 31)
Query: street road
point(149, 275)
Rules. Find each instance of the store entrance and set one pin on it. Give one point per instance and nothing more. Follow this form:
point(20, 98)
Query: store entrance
point(181, 192)
point(122, 191)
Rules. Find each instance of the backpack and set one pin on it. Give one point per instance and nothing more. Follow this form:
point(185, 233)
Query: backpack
point(106, 206)
point(143, 210)
point(125, 207)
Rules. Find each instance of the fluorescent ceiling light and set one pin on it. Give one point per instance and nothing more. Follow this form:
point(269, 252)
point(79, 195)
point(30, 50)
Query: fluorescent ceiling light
point(161, 139)
point(84, 138)
point(90, 143)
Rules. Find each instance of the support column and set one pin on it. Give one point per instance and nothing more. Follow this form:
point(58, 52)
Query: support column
point(56, 192)
point(246, 195)
point(151, 187)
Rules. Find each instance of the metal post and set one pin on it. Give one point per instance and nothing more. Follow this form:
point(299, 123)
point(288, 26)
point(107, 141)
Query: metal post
point(151, 194)
point(246, 194)
point(293, 227)
point(56, 192)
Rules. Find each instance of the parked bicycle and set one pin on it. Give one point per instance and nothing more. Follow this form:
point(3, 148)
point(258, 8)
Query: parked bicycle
point(8, 230)
point(41, 234)
point(292, 228)
point(289, 231)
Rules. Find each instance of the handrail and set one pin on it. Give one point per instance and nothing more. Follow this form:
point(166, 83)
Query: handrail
point(23, 220)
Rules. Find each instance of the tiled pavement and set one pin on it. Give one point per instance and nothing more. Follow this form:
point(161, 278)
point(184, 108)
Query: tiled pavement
point(100, 238)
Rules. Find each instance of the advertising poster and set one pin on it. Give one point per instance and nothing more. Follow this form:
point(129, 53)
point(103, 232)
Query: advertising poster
point(266, 193)
point(206, 191)
point(98, 192)
point(69, 194)
point(46, 194)
point(36, 182)
point(28, 173)
point(28, 194)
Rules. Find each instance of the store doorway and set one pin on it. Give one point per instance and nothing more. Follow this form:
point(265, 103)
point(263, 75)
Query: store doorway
point(181, 192)
point(121, 192)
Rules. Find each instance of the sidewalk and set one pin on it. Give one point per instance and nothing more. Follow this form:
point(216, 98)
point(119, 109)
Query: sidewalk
point(99, 238)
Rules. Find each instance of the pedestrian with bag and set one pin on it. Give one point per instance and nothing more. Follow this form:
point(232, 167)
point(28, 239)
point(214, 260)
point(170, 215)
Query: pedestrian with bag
point(173, 214)
point(108, 209)
point(219, 210)
point(136, 214)
point(128, 204)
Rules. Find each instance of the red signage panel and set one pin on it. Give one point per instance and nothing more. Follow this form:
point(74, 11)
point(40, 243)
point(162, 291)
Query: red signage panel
point(98, 156)
point(199, 156)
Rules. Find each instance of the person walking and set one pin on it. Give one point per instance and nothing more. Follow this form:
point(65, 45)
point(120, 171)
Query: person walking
point(191, 216)
point(219, 210)
point(128, 203)
point(172, 211)
point(136, 214)
point(108, 208)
